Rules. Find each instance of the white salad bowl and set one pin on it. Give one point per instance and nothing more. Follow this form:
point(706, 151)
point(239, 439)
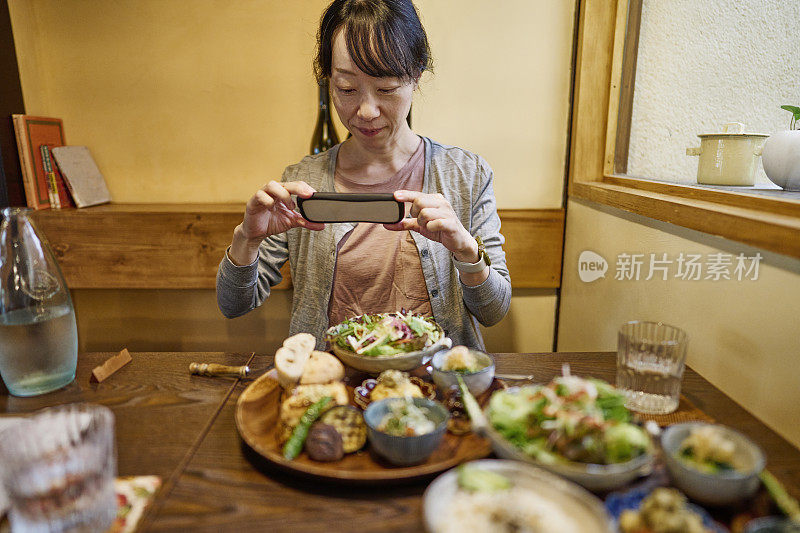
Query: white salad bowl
point(375, 364)
point(594, 477)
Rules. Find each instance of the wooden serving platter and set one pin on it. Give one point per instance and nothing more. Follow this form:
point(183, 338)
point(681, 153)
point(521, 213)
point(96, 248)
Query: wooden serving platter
point(258, 423)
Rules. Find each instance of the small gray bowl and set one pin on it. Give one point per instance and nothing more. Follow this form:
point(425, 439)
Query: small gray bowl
point(405, 451)
point(477, 382)
point(713, 489)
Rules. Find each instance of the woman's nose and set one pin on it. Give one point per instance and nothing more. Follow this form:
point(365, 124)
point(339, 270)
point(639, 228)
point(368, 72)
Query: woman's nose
point(368, 110)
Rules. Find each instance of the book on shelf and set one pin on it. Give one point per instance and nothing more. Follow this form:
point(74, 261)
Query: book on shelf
point(36, 137)
point(59, 194)
point(84, 179)
point(52, 188)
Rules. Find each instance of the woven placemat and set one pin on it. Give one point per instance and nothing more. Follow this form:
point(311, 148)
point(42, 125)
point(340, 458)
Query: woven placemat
point(686, 412)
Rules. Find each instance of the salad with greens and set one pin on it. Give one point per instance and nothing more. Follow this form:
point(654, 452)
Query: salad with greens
point(384, 334)
point(568, 419)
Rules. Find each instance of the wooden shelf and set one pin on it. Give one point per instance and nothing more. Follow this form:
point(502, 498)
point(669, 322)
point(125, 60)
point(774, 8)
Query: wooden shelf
point(179, 246)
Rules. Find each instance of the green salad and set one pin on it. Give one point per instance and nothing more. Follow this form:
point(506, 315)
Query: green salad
point(569, 419)
point(385, 333)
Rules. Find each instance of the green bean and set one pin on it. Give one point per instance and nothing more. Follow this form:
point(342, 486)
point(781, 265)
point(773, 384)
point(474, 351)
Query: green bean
point(785, 502)
point(471, 405)
point(294, 445)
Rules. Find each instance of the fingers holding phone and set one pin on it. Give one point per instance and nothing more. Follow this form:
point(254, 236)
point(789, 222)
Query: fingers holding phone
point(269, 211)
point(432, 216)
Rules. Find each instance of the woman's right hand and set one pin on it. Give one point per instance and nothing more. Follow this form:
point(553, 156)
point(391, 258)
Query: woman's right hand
point(269, 211)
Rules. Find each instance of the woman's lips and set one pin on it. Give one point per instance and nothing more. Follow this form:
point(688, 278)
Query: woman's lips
point(369, 132)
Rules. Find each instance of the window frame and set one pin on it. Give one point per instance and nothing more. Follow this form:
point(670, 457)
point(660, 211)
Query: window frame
point(605, 65)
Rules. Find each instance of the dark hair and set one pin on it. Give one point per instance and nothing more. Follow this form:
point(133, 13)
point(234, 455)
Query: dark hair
point(384, 38)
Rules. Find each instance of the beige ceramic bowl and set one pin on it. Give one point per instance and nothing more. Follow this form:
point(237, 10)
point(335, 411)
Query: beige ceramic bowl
point(402, 361)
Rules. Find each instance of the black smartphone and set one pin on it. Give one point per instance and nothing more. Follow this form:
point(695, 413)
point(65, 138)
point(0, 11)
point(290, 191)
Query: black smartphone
point(380, 208)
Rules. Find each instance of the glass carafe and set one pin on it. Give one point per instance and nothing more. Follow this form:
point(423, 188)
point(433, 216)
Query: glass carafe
point(38, 335)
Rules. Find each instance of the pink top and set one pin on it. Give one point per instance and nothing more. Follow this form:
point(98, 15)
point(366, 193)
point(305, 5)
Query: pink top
point(377, 270)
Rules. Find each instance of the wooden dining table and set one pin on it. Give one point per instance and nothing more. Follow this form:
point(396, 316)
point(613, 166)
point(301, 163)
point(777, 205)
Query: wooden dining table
point(181, 427)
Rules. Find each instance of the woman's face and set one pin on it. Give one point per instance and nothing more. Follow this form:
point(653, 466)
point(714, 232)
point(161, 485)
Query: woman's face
point(374, 110)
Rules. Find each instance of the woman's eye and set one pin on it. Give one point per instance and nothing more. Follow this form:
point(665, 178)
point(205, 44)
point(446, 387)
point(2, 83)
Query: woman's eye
point(344, 90)
point(388, 90)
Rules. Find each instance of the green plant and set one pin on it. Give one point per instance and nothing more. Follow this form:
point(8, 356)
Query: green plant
point(795, 111)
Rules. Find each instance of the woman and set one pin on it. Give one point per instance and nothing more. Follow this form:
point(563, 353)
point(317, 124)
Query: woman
point(432, 262)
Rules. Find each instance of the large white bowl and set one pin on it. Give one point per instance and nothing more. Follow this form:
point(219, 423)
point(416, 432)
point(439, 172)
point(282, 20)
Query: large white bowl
point(594, 477)
point(713, 489)
point(586, 509)
point(403, 361)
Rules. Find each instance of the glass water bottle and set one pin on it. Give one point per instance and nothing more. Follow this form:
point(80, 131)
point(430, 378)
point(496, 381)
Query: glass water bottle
point(38, 335)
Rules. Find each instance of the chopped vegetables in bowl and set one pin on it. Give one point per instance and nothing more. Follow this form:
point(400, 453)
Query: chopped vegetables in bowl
point(377, 342)
point(383, 334)
point(711, 463)
point(575, 427)
point(405, 431)
point(406, 419)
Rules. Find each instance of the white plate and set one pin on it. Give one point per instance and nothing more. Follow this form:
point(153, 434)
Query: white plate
point(585, 510)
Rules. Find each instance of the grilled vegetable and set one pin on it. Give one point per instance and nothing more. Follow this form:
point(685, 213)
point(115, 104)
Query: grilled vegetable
point(472, 407)
point(349, 422)
point(324, 443)
point(475, 479)
point(294, 445)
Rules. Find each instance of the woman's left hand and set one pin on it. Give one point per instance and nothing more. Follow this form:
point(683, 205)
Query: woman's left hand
point(433, 217)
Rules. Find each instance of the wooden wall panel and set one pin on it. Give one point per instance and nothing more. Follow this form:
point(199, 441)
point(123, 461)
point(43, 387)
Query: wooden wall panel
point(534, 244)
point(178, 246)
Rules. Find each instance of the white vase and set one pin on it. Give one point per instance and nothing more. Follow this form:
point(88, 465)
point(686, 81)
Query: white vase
point(781, 159)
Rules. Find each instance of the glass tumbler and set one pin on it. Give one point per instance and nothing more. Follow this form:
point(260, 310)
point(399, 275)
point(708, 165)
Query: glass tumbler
point(650, 360)
point(59, 468)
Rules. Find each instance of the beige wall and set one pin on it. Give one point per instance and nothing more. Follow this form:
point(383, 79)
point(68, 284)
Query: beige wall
point(203, 102)
point(743, 334)
point(178, 102)
point(501, 89)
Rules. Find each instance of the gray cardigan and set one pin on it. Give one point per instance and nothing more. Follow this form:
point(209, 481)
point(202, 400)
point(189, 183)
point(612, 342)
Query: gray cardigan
point(465, 179)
